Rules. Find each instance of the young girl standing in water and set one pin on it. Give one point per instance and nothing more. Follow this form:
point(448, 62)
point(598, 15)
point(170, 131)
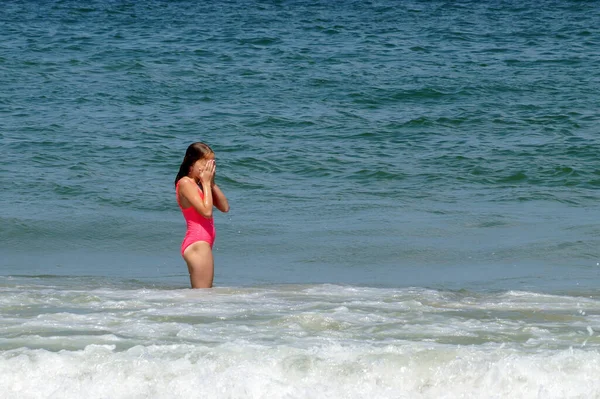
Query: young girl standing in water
point(197, 193)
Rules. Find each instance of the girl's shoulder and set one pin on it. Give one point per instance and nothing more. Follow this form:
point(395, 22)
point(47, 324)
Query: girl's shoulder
point(187, 184)
point(182, 185)
point(186, 180)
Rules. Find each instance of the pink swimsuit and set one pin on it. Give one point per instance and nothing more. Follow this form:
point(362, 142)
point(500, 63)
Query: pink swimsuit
point(199, 228)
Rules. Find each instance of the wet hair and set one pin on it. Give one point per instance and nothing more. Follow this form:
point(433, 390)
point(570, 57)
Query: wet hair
point(194, 152)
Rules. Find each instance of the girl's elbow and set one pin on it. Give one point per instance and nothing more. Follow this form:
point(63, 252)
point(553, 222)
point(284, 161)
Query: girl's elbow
point(205, 213)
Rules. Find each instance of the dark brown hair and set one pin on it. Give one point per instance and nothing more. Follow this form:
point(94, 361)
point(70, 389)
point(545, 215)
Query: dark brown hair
point(193, 153)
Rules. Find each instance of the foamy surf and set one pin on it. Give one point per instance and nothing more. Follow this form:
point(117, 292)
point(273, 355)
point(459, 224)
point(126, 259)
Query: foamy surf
point(68, 339)
point(248, 370)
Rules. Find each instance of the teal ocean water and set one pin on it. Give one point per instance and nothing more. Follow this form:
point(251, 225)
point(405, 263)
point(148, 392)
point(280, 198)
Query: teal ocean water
point(414, 191)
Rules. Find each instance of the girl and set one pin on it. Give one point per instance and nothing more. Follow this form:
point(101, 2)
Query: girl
point(196, 193)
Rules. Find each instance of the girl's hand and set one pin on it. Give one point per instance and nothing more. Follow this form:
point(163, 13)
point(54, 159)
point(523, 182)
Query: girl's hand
point(212, 181)
point(207, 175)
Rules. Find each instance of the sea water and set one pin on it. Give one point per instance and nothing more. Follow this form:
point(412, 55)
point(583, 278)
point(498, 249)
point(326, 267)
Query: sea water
point(81, 337)
point(413, 190)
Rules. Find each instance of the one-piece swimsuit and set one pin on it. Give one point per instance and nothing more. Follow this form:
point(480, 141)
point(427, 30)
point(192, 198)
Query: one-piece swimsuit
point(199, 228)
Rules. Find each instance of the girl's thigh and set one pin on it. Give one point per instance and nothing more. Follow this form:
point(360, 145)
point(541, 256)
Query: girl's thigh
point(200, 262)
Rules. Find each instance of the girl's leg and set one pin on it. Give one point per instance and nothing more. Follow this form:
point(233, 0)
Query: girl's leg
point(200, 262)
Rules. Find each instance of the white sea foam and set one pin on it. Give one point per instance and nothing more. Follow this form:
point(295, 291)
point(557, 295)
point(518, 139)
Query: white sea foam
point(296, 342)
point(243, 370)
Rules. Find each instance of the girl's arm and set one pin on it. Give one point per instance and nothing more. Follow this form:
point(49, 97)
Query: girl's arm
point(219, 199)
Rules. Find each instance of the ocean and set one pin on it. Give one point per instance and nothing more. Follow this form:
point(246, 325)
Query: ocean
point(414, 191)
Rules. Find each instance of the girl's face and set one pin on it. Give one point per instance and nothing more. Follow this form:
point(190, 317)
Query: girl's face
point(199, 165)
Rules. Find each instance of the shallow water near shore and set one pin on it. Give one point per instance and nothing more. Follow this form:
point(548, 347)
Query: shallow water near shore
point(128, 340)
point(413, 189)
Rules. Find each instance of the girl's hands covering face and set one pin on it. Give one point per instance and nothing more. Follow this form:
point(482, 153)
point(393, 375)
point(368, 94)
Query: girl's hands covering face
point(207, 172)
